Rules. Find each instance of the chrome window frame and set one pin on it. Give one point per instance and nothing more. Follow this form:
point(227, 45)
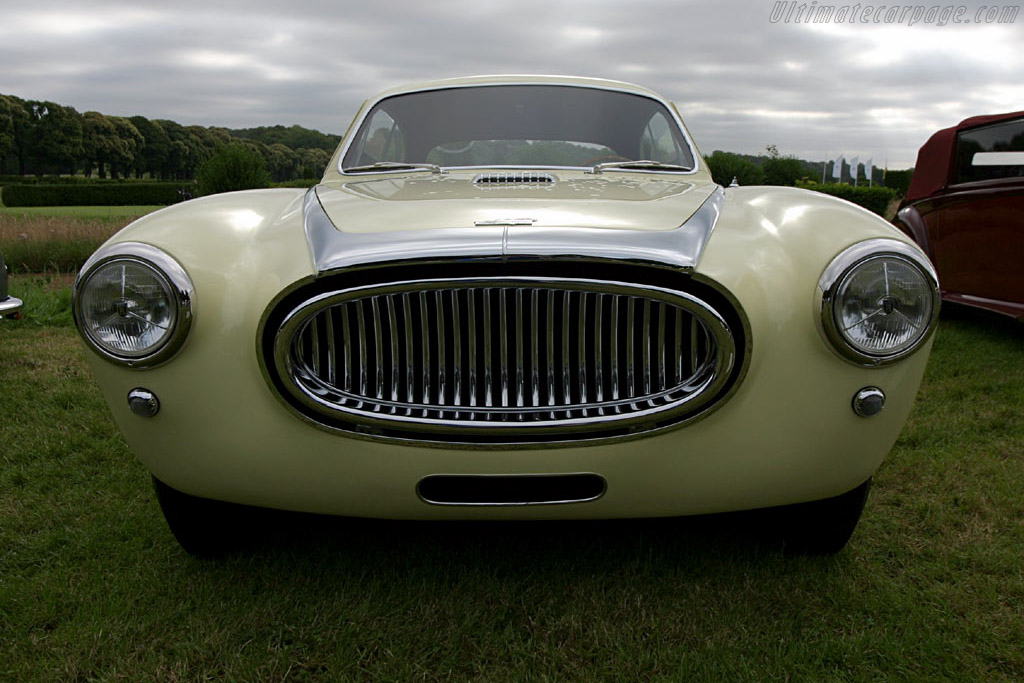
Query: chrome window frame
point(368, 107)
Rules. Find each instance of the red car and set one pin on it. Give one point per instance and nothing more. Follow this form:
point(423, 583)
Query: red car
point(965, 208)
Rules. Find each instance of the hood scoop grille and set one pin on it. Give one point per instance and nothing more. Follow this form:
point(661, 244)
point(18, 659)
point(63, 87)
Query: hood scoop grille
point(513, 178)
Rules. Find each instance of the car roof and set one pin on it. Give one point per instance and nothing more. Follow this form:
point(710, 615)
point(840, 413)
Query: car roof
point(931, 172)
point(525, 79)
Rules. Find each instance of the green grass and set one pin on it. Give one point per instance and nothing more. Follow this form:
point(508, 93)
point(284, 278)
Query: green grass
point(93, 586)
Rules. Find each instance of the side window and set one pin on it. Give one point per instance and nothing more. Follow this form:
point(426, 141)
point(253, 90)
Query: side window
point(383, 141)
point(990, 152)
point(658, 144)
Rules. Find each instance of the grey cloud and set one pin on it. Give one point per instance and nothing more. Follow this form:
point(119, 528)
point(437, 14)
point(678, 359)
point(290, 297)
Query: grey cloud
point(731, 70)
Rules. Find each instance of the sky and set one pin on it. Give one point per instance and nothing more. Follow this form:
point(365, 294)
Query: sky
point(744, 73)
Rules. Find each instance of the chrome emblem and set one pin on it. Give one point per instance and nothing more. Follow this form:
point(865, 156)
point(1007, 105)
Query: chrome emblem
point(506, 222)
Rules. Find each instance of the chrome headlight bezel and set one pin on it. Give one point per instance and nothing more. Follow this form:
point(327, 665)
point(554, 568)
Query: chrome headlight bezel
point(840, 271)
point(171, 277)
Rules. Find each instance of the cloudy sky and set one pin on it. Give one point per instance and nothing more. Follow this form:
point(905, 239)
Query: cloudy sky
point(743, 75)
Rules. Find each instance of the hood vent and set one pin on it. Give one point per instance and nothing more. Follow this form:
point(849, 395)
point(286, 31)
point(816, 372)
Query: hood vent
point(514, 178)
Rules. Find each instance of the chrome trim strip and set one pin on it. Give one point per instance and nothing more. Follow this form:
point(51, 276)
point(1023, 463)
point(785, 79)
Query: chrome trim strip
point(679, 248)
point(565, 501)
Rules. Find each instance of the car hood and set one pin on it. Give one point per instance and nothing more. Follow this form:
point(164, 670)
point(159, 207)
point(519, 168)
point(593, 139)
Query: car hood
point(627, 201)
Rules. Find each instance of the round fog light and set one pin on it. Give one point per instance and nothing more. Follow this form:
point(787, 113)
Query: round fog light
point(143, 402)
point(869, 401)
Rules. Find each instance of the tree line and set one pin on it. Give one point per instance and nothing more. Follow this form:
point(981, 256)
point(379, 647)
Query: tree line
point(46, 138)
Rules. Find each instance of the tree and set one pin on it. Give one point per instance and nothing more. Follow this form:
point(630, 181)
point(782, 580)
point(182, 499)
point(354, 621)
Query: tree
point(101, 142)
point(780, 170)
point(53, 138)
point(314, 161)
point(184, 152)
point(156, 146)
point(232, 167)
point(131, 143)
point(725, 166)
point(283, 163)
point(13, 121)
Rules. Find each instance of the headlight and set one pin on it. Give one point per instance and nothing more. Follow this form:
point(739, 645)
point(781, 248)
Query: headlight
point(133, 304)
point(879, 300)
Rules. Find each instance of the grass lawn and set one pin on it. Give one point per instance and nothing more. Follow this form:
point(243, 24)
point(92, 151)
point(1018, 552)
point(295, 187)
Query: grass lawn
point(94, 587)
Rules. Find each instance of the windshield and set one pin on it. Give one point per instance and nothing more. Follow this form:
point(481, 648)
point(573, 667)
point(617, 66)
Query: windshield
point(517, 125)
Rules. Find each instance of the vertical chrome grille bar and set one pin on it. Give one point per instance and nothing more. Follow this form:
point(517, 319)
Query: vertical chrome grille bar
point(519, 379)
point(314, 339)
point(488, 393)
point(662, 358)
point(566, 391)
point(425, 345)
point(693, 345)
point(410, 346)
point(361, 332)
point(332, 354)
point(581, 351)
point(549, 333)
point(472, 334)
point(442, 331)
point(534, 347)
point(456, 349)
point(630, 359)
point(678, 346)
point(346, 349)
point(503, 332)
point(614, 351)
point(598, 348)
point(393, 328)
point(378, 340)
point(645, 352)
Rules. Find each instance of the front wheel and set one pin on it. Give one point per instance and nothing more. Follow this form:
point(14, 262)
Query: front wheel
point(823, 527)
point(203, 527)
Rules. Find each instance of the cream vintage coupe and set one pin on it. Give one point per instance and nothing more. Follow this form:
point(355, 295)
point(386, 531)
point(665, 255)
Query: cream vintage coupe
point(511, 298)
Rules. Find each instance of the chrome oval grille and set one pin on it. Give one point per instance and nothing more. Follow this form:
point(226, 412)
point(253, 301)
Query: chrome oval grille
point(503, 359)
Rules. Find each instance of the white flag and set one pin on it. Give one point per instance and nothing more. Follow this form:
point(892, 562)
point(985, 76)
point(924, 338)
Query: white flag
point(868, 168)
point(837, 167)
point(854, 163)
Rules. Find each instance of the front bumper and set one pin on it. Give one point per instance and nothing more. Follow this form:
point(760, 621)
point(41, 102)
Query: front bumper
point(781, 439)
point(11, 308)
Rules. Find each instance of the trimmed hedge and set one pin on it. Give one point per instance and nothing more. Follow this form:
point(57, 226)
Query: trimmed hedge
point(874, 199)
point(100, 194)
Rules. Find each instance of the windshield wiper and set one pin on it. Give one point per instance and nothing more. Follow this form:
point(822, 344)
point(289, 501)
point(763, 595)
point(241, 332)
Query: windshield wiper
point(640, 164)
point(395, 166)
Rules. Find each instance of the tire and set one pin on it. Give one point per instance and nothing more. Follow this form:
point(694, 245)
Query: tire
point(203, 527)
point(823, 527)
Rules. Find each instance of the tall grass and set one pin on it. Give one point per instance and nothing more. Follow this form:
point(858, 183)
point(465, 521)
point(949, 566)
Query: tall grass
point(41, 243)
